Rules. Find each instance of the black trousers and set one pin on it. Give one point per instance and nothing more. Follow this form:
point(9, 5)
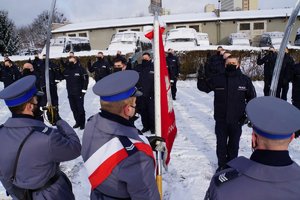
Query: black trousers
point(54, 96)
point(282, 90)
point(145, 107)
point(77, 107)
point(267, 86)
point(174, 88)
point(296, 104)
point(228, 139)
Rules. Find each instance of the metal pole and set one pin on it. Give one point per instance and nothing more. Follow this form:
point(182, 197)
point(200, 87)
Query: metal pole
point(157, 99)
point(49, 102)
point(280, 56)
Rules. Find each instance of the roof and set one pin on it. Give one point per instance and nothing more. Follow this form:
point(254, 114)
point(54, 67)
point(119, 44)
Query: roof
point(179, 18)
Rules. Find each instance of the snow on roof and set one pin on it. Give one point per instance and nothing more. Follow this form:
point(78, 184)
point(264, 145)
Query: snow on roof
point(192, 17)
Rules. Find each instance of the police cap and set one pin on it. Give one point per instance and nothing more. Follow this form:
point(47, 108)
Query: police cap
point(118, 86)
point(20, 91)
point(273, 118)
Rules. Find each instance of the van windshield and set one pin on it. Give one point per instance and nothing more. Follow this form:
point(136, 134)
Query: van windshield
point(124, 37)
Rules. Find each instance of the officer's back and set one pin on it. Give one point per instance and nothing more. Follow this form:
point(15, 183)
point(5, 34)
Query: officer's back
point(270, 173)
point(30, 152)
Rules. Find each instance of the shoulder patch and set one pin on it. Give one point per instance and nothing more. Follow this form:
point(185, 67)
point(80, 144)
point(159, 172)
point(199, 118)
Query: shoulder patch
point(46, 130)
point(226, 176)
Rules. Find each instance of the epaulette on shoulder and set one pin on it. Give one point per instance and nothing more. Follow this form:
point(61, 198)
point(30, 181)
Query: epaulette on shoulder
point(91, 117)
point(226, 176)
point(45, 130)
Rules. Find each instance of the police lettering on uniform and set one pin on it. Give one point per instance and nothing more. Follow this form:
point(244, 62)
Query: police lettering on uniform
point(232, 91)
point(174, 70)
point(145, 103)
point(100, 68)
point(270, 173)
point(9, 73)
point(77, 81)
point(30, 152)
point(119, 161)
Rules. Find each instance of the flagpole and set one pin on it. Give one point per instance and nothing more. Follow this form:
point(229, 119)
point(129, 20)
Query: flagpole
point(157, 99)
point(283, 45)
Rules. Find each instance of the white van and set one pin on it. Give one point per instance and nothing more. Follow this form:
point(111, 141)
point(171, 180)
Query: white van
point(271, 39)
point(66, 44)
point(181, 38)
point(297, 39)
point(202, 39)
point(129, 42)
point(240, 39)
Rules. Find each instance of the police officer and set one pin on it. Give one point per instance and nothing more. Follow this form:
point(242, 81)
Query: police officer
point(285, 75)
point(215, 63)
point(295, 78)
point(174, 70)
point(119, 64)
point(37, 63)
point(101, 67)
point(30, 152)
point(268, 61)
point(55, 76)
point(77, 81)
point(232, 92)
point(110, 135)
point(9, 73)
point(270, 173)
point(145, 103)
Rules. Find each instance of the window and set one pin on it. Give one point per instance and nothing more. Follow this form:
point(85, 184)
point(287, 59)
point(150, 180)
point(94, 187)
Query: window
point(180, 26)
point(82, 34)
point(72, 35)
point(245, 26)
point(196, 27)
point(122, 30)
point(259, 26)
point(135, 29)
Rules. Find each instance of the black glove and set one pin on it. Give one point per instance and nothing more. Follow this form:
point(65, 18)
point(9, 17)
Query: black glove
point(53, 115)
point(154, 140)
point(297, 134)
point(244, 120)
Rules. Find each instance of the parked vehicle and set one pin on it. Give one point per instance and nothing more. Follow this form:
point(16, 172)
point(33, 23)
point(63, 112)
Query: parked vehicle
point(297, 39)
point(67, 44)
point(181, 37)
point(240, 39)
point(129, 42)
point(202, 39)
point(271, 39)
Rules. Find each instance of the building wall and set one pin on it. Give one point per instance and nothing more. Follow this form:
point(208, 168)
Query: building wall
point(100, 38)
point(227, 5)
point(253, 4)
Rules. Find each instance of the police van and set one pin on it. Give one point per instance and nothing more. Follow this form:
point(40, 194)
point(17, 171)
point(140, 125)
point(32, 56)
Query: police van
point(239, 39)
point(129, 42)
point(271, 39)
point(181, 38)
point(66, 44)
point(297, 39)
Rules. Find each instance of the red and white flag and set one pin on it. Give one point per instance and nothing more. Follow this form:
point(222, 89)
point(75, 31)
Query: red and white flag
point(168, 123)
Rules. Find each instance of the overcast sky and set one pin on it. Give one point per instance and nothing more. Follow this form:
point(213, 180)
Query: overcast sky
point(24, 11)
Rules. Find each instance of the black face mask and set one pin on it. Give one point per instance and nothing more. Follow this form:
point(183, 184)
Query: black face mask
point(37, 113)
point(99, 58)
point(117, 69)
point(170, 54)
point(26, 71)
point(145, 61)
point(218, 52)
point(71, 64)
point(230, 68)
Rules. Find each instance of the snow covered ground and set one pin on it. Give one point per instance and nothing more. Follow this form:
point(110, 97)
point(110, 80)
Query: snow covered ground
point(193, 159)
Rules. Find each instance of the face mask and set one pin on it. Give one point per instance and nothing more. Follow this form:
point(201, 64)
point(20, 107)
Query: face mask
point(37, 113)
point(230, 68)
point(71, 63)
point(219, 53)
point(117, 69)
point(26, 71)
point(144, 61)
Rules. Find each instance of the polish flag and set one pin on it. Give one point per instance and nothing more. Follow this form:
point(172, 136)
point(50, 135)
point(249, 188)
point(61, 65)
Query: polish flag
point(168, 123)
